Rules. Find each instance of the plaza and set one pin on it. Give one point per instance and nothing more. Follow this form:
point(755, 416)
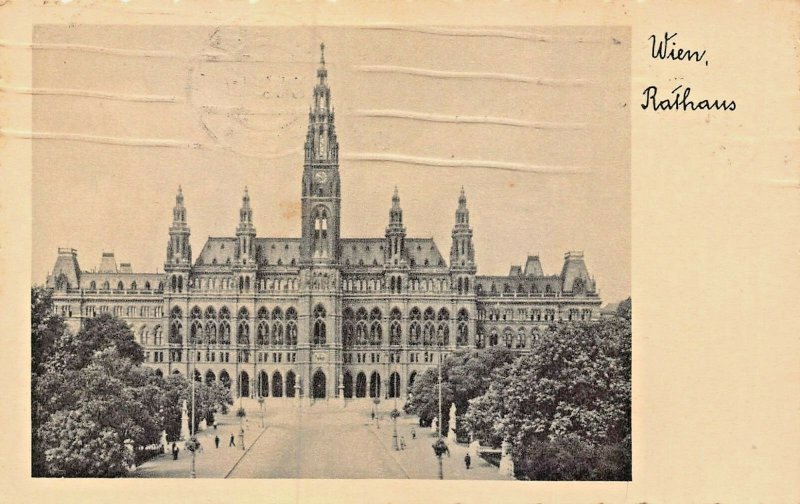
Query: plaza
point(321, 441)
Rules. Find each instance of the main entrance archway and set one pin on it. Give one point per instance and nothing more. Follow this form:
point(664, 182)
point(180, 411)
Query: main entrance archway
point(361, 385)
point(348, 385)
point(318, 385)
point(375, 385)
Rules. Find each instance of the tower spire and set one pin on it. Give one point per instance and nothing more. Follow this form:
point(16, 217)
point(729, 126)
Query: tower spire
point(462, 253)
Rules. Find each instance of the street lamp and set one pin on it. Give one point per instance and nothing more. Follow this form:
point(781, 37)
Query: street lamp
point(439, 448)
point(192, 437)
point(376, 401)
point(261, 407)
point(394, 388)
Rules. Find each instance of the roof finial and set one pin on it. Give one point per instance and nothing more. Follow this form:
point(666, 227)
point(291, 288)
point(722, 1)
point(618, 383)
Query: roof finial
point(322, 54)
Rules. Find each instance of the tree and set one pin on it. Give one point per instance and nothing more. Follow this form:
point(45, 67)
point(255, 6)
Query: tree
point(47, 329)
point(465, 375)
point(90, 395)
point(624, 309)
point(569, 396)
point(89, 416)
point(102, 331)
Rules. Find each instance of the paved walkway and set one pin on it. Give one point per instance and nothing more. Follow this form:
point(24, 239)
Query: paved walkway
point(323, 440)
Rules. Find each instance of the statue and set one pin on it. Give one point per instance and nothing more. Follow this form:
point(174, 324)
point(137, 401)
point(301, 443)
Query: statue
point(451, 431)
point(435, 425)
point(184, 422)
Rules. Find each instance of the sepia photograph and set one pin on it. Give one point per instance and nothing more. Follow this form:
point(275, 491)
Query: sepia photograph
point(351, 252)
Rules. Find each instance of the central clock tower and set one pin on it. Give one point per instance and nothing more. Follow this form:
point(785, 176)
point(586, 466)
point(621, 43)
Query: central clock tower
point(321, 191)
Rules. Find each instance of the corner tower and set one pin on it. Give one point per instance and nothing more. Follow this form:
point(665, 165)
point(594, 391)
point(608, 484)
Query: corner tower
point(321, 190)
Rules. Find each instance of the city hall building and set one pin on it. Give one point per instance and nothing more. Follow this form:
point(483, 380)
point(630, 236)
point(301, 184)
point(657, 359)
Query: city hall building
point(321, 316)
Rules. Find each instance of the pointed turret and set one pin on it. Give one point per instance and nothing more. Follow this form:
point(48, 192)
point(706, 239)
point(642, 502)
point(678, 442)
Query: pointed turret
point(321, 145)
point(178, 248)
point(395, 234)
point(462, 253)
point(179, 252)
point(245, 232)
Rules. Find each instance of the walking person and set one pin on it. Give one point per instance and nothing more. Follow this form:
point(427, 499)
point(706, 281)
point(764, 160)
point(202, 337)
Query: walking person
point(216, 441)
point(467, 460)
point(413, 433)
point(232, 442)
point(175, 450)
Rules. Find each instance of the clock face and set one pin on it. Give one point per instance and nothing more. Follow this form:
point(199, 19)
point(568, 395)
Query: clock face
point(321, 177)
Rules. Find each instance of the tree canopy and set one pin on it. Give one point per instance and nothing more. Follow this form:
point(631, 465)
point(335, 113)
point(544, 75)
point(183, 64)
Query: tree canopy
point(90, 395)
point(570, 395)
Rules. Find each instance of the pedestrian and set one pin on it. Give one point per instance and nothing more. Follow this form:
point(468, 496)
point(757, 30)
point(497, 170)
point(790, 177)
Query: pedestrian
point(402, 442)
point(232, 442)
point(215, 425)
point(467, 460)
point(199, 447)
point(216, 440)
point(175, 450)
point(373, 415)
point(413, 433)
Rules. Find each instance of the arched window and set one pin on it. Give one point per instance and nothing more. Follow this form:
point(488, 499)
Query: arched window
point(175, 325)
point(277, 384)
point(414, 329)
point(106, 285)
point(244, 384)
point(395, 328)
point(462, 336)
point(290, 384)
point(263, 384)
point(348, 328)
point(348, 385)
point(277, 328)
point(243, 328)
point(375, 384)
point(394, 385)
point(411, 378)
point(480, 342)
point(443, 331)
point(210, 317)
point(262, 332)
point(362, 330)
point(361, 385)
point(157, 335)
point(92, 285)
point(493, 337)
point(428, 327)
point(210, 377)
point(291, 327)
point(375, 329)
point(520, 338)
point(508, 337)
point(144, 336)
point(120, 286)
point(319, 325)
point(225, 379)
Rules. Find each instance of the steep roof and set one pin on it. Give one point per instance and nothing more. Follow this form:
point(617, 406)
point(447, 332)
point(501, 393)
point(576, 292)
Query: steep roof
point(533, 267)
point(423, 252)
point(361, 251)
point(219, 250)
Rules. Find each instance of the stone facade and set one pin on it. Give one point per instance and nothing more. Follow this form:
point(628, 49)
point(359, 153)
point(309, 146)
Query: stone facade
point(321, 316)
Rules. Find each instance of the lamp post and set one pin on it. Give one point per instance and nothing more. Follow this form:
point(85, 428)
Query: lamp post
point(394, 388)
point(241, 412)
point(261, 407)
point(192, 432)
point(439, 447)
point(376, 401)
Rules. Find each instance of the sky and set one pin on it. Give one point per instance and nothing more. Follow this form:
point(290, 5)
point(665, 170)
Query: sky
point(533, 122)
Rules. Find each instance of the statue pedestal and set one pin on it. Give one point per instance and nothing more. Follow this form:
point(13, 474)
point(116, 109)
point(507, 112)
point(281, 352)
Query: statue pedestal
point(506, 462)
